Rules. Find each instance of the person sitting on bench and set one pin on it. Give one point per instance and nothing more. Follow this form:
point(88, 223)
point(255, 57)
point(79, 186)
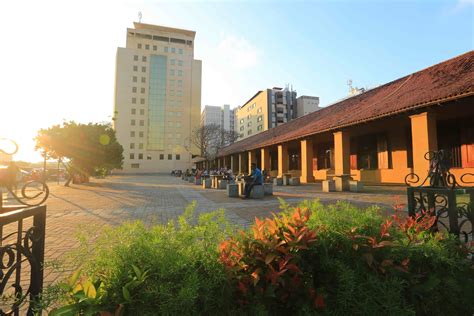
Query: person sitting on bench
point(256, 179)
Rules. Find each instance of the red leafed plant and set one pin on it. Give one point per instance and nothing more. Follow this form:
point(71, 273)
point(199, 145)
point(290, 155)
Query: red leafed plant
point(267, 264)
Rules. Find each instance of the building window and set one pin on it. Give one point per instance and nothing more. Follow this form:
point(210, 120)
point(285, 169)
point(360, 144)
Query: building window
point(132, 156)
point(173, 50)
point(142, 112)
point(242, 128)
point(260, 118)
point(241, 121)
point(134, 100)
point(132, 122)
point(142, 101)
point(134, 111)
point(135, 78)
point(143, 79)
point(170, 157)
point(132, 145)
point(172, 72)
point(135, 68)
point(139, 45)
point(249, 124)
point(154, 47)
point(166, 49)
point(148, 157)
point(140, 134)
point(140, 156)
point(178, 157)
point(162, 156)
point(134, 89)
point(147, 46)
point(142, 123)
point(143, 69)
point(260, 127)
point(140, 146)
point(180, 62)
point(180, 51)
point(259, 110)
point(144, 58)
point(142, 90)
point(135, 57)
point(135, 165)
point(172, 61)
point(132, 134)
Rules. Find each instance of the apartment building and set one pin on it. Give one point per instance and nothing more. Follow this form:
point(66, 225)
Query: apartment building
point(306, 104)
point(266, 109)
point(157, 98)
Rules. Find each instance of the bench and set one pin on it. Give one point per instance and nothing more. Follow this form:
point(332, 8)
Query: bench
point(222, 184)
point(258, 192)
point(294, 181)
point(329, 186)
point(206, 183)
point(268, 188)
point(232, 190)
point(356, 186)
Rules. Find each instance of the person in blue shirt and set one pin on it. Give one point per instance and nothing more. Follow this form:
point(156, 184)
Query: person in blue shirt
point(257, 179)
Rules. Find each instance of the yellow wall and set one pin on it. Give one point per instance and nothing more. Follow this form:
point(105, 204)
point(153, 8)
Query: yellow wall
point(250, 114)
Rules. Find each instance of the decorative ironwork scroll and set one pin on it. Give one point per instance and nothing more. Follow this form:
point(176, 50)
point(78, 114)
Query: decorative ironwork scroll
point(442, 195)
point(21, 259)
point(28, 193)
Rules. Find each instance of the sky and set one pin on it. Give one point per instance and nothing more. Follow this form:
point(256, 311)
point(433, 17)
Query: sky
point(57, 58)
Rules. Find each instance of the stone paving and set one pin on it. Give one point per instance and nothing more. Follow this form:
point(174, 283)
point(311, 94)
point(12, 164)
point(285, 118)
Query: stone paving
point(160, 198)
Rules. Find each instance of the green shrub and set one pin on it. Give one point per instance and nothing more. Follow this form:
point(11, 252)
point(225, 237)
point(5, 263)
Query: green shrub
point(180, 260)
point(359, 264)
point(308, 260)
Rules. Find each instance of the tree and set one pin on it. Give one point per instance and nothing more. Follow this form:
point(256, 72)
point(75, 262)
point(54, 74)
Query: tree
point(90, 148)
point(209, 138)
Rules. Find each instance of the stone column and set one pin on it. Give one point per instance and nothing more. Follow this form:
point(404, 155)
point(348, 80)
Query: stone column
point(232, 163)
point(241, 160)
point(307, 161)
point(252, 159)
point(282, 159)
point(342, 160)
point(265, 159)
point(424, 138)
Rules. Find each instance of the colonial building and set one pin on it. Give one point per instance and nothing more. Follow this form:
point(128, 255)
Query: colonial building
point(377, 137)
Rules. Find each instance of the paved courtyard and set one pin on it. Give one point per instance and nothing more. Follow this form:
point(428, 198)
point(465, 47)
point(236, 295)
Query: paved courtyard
point(160, 198)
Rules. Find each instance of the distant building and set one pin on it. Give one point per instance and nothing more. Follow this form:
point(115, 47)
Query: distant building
point(306, 104)
point(157, 98)
point(222, 116)
point(266, 109)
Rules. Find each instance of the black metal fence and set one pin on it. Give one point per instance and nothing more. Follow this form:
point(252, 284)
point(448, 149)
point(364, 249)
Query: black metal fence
point(22, 232)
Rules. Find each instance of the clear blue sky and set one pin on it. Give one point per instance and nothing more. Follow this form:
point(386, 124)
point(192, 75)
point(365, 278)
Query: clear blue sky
point(58, 56)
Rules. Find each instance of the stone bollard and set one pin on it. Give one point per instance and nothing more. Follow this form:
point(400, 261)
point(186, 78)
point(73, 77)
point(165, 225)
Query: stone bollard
point(257, 192)
point(222, 184)
point(206, 183)
point(356, 186)
point(294, 181)
point(233, 190)
point(278, 181)
point(268, 188)
point(329, 186)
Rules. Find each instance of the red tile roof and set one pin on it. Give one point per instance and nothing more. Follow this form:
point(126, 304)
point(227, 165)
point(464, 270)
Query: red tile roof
point(448, 80)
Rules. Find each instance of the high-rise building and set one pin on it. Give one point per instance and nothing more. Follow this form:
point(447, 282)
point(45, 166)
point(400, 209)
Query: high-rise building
point(157, 98)
point(306, 104)
point(221, 116)
point(266, 109)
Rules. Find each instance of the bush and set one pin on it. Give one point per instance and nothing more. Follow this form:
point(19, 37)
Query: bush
point(308, 260)
point(348, 261)
point(164, 270)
